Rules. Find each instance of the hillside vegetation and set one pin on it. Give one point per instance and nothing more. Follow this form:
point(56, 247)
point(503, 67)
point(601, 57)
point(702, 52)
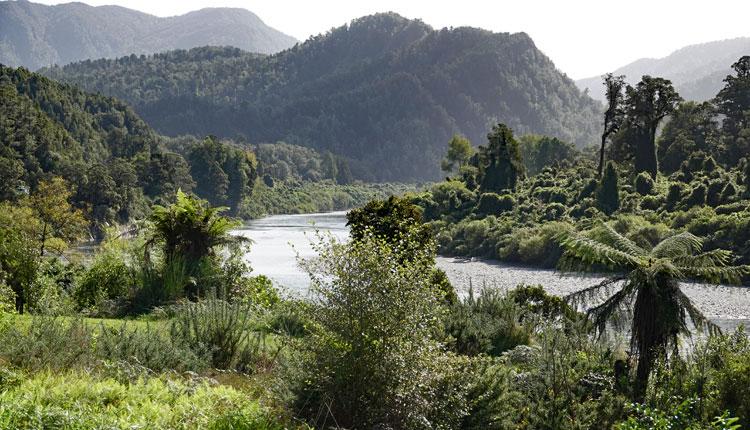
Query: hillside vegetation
point(384, 91)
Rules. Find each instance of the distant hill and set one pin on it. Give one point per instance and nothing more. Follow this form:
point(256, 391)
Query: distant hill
point(696, 70)
point(35, 35)
point(385, 92)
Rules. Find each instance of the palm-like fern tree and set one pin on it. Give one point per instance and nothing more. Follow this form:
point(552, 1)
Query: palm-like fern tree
point(190, 233)
point(190, 228)
point(646, 283)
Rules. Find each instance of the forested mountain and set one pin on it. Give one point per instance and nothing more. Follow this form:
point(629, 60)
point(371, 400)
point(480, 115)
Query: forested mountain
point(697, 71)
point(116, 165)
point(384, 91)
point(35, 35)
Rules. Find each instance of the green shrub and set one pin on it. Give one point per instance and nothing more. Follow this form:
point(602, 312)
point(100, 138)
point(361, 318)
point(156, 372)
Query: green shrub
point(554, 212)
point(149, 347)
point(535, 299)
point(256, 290)
point(681, 415)
point(551, 195)
point(644, 184)
point(7, 298)
point(494, 204)
point(220, 328)
point(370, 359)
point(491, 323)
point(537, 245)
point(108, 278)
point(674, 195)
point(728, 194)
point(714, 191)
point(697, 197)
point(608, 192)
point(48, 343)
point(652, 202)
point(731, 208)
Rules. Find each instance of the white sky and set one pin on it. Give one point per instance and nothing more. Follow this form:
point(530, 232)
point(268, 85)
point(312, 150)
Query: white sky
point(583, 37)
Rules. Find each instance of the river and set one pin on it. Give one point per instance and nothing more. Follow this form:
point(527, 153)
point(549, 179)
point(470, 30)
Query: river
point(279, 239)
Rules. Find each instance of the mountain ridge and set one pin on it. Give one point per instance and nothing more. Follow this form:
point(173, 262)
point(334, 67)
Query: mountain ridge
point(378, 87)
point(33, 35)
point(696, 70)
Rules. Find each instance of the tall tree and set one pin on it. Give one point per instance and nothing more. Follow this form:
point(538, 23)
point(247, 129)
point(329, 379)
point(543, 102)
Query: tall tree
point(734, 99)
point(613, 114)
point(692, 127)
point(608, 191)
point(19, 250)
point(646, 104)
point(60, 223)
point(648, 280)
point(499, 163)
point(459, 153)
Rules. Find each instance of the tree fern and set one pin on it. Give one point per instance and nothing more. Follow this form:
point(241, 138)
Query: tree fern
point(646, 280)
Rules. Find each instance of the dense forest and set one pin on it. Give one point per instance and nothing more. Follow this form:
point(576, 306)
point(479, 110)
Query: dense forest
point(510, 198)
point(116, 166)
point(35, 35)
point(380, 86)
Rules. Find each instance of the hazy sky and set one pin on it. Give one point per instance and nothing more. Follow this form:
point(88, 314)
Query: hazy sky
point(583, 37)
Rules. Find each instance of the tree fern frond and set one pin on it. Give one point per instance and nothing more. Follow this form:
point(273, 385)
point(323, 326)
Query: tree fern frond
point(591, 251)
point(620, 242)
point(604, 312)
point(716, 274)
point(716, 257)
point(677, 246)
point(586, 293)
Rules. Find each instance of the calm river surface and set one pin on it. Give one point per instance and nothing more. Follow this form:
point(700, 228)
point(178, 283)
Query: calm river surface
point(279, 239)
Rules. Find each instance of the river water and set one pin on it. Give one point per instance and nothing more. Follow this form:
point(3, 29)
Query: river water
point(278, 241)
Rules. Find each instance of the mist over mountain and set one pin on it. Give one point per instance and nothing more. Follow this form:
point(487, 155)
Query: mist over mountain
point(384, 91)
point(697, 71)
point(35, 35)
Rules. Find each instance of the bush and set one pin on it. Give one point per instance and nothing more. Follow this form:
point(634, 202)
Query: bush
point(554, 212)
point(370, 358)
point(59, 343)
point(608, 193)
point(108, 278)
point(7, 299)
point(491, 323)
point(731, 208)
point(728, 194)
point(652, 202)
point(48, 343)
point(714, 191)
point(256, 290)
point(221, 329)
point(674, 195)
point(697, 197)
point(644, 184)
point(681, 415)
point(494, 204)
point(149, 347)
point(535, 299)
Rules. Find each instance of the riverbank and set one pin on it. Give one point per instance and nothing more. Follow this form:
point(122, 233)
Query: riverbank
point(727, 305)
point(278, 240)
point(314, 197)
